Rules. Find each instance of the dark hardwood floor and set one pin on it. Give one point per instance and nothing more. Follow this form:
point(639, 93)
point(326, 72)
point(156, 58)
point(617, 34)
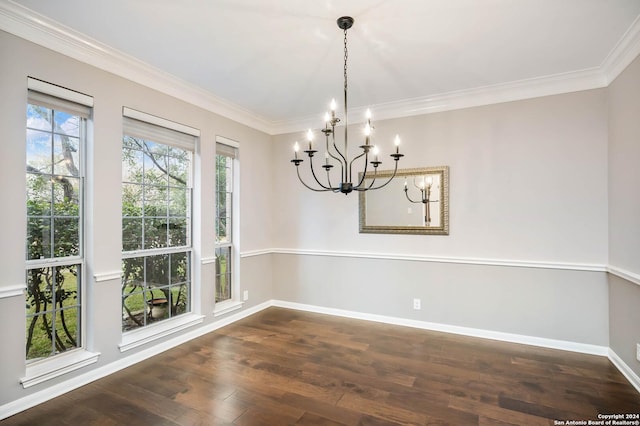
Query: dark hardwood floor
point(281, 367)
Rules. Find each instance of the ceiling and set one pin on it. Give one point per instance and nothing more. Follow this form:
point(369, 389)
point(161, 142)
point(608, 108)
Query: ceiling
point(281, 60)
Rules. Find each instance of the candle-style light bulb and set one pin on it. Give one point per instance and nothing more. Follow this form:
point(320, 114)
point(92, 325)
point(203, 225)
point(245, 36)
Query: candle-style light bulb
point(429, 181)
point(396, 142)
point(310, 138)
point(333, 107)
point(327, 120)
point(326, 158)
point(296, 148)
point(376, 151)
point(367, 133)
point(405, 184)
point(368, 115)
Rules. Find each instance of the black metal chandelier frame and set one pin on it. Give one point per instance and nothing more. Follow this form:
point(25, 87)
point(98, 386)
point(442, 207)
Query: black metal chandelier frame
point(341, 156)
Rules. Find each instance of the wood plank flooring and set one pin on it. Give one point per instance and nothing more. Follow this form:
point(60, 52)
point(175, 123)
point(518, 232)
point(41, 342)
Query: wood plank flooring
point(283, 367)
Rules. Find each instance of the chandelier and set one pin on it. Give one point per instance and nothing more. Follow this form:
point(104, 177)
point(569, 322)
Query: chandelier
point(340, 155)
point(424, 186)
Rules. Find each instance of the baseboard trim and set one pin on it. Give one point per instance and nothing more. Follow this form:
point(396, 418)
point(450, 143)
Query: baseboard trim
point(464, 331)
point(626, 371)
point(51, 392)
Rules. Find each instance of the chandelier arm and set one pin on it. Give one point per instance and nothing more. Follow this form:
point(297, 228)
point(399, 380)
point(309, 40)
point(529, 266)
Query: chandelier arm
point(339, 153)
point(351, 165)
point(343, 162)
point(307, 186)
point(370, 185)
point(364, 176)
point(313, 172)
point(395, 170)
point(406, 192)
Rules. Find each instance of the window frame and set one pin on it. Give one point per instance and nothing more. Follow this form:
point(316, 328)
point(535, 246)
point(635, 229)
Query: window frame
point(235, 302)
point(61, 99)
point(186, 140)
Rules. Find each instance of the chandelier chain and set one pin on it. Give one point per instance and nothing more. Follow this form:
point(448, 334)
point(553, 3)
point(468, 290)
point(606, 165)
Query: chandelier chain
point(346, 54)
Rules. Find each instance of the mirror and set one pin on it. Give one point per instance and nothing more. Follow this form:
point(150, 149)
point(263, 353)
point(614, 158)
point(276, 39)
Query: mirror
point(416, 201)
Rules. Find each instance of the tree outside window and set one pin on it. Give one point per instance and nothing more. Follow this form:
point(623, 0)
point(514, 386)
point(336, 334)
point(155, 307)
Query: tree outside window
point(54, 182)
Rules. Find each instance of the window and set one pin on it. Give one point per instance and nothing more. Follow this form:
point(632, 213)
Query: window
point(156, 221)
point(55, 145)
point(225, 200)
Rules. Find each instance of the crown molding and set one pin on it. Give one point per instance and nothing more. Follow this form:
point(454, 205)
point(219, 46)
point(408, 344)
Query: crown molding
point(39, 29)
point(506, 92)
point(623, 53)
point(25, 23)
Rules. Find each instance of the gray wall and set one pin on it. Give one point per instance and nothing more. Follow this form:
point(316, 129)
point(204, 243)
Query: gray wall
point(624, 213)
point(527, 185)
point(111, 93)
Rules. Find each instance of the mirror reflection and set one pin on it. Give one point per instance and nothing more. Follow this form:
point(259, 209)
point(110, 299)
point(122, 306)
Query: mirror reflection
point(416, 201)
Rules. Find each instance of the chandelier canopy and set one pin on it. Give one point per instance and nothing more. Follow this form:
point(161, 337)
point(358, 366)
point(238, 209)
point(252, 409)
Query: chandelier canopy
point(341, 155)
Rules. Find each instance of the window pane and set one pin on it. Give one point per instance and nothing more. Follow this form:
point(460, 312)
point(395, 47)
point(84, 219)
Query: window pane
point(53, 310)
point(38, 117)
point(38, 238)
point(65, 154)
point(134, 313)
point(180, 299)
point(132, 201)
point(132, 165)
point(155, 200)
point(178, 198)
point(39, 149)
point(178, 169)
point(67, 333)
point(180, 268)
point(157, 270)
point(66, 196)
point(155, 169)
point(38, 195)
point(133, 272)
point(223, 273)
point(178, 232)
point(66, 237)
point(155, 232)
point(131, 234)
point(67, 124)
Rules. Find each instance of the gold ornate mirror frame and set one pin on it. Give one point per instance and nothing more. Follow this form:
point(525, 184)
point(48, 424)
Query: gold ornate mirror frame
point(416, 201)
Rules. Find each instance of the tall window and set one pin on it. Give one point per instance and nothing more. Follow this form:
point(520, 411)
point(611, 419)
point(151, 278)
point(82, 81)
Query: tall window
point(156, 222)
point(55, 144)
point(225, 268)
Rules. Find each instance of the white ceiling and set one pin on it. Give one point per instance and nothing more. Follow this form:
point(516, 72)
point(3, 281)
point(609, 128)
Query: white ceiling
point(281, 60)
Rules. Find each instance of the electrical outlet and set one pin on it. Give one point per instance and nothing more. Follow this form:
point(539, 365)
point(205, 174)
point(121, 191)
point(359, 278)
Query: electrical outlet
point(416, 304)
point(245, 295)
point(638, 351)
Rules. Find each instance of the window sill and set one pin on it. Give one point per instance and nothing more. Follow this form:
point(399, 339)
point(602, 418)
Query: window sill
point(226, 307)
point(47, 369)
point(139, 337)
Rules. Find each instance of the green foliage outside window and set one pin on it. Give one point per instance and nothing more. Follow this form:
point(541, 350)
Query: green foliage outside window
point(156, 208)
point(53, 231)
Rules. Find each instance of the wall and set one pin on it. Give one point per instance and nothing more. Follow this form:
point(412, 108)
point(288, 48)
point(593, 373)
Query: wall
point(624, 214)
point(527, 188)
point(111, 93)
